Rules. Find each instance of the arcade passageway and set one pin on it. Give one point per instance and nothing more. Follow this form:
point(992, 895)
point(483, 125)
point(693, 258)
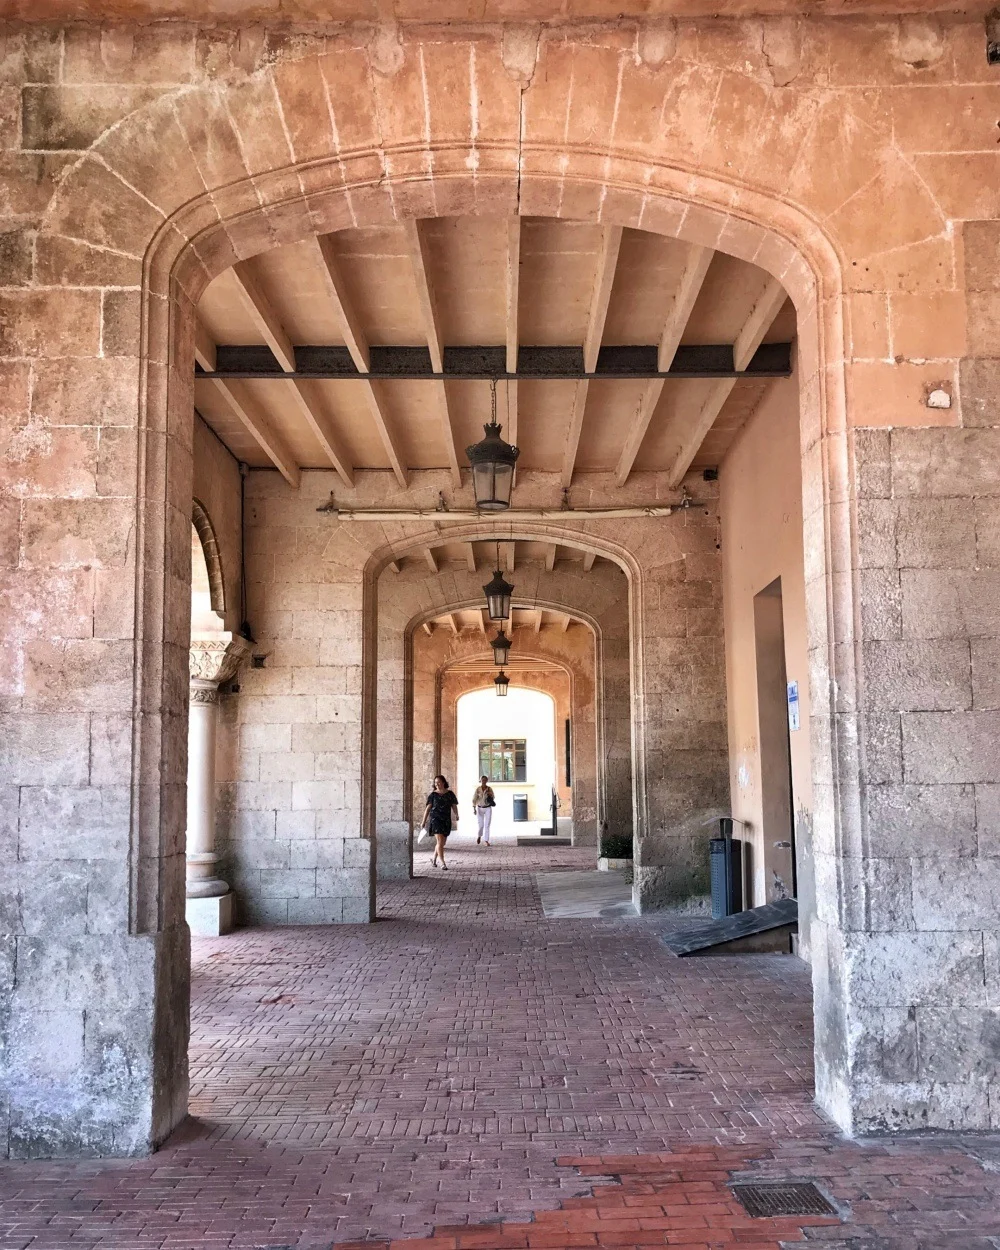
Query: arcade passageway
point(729, 287)
point(462, 1062)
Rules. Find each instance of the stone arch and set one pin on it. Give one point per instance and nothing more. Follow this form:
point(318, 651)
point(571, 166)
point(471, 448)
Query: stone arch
point(184, 187)
point(587, 694)
point(528, 680)
point(387, 681)
point(189, 250)
point(450, 700)
point(213, 560)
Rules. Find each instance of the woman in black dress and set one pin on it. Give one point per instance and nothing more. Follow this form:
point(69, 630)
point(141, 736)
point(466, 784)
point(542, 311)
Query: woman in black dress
point(441, 806)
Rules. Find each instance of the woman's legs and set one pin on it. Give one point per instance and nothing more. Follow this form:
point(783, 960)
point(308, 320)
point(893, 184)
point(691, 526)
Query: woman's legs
point(485, 820)
point(480, 815)
point(440, 840)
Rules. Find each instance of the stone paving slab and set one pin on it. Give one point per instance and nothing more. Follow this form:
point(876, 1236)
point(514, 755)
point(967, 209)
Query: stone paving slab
point(465, 1064)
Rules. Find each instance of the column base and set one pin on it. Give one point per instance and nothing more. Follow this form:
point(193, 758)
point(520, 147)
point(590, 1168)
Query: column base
point(209, 917)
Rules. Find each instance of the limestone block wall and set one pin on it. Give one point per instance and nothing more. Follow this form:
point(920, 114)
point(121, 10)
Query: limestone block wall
point(922, 968)
point(289, 826)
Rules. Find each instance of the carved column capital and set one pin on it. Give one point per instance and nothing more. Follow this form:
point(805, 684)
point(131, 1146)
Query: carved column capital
point(214, 660)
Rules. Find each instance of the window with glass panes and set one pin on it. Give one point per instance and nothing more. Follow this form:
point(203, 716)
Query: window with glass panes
point(503, 759)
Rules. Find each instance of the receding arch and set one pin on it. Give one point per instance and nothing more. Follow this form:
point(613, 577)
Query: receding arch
point(662, 190)
point(213, 560)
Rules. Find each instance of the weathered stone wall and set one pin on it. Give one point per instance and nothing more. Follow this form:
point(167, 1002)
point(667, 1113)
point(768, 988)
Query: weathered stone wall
point(880, 130)
point(921, 955)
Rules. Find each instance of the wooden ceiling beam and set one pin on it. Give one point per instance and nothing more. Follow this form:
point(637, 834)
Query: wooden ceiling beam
point(417, 246)
point(343, 309)
point(481, 616)
point(588, 561)
point(447, 431)
point(550, 557)
point(510, 555)
point(204, 346)
point(416, 243)
point(324, 435)
point(247, 412)
point(607, 263)
point(470, 557)
point(357, 345)
point(269, 324)
point(566, 621)
point(263, 315)
point(750, 337)
point(681, 307)
point(253, 419)
point(376, 406)
point(431, 559)
point(428, 628)
point(452, 623)
point(538, 621)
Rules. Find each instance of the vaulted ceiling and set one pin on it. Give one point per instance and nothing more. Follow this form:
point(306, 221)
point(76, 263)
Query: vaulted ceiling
point(520, 287)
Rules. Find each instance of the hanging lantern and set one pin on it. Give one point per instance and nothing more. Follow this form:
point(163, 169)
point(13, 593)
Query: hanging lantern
point(501, 681)
point(501, 648)
point(498, 592)
point(492, 463)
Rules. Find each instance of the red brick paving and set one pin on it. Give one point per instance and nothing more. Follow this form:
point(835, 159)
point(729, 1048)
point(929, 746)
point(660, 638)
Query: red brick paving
point(468, 1067)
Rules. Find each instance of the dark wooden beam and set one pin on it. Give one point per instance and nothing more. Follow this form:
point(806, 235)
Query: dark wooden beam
point(771, 360)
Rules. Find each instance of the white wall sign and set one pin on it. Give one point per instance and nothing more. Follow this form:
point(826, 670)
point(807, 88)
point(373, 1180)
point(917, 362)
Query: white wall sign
point(793, 705)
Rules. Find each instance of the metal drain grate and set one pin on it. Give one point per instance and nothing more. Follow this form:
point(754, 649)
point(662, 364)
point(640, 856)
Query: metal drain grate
point(783, 1198)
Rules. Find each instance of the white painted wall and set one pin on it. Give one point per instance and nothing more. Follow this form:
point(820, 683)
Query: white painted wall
point(527, 714)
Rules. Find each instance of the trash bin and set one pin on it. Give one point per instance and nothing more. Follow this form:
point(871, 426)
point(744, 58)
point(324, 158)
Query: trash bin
point(520, 807)
point(726, 872)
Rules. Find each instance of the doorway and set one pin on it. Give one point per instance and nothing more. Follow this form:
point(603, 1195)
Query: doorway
point(512, 740)
point(774, 703)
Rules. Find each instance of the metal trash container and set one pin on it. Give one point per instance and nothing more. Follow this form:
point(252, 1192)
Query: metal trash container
point(520, 807)
point(726, 870)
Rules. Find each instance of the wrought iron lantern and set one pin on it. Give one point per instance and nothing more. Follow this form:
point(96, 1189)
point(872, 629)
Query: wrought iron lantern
point(501, 648)
point(492, 463)
point(501, 681)
point(498, 592)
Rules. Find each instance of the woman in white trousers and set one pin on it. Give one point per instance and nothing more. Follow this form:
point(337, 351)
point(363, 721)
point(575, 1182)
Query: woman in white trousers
point(483, 802)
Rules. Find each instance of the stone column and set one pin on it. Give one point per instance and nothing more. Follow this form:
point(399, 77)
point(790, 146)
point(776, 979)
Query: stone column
point(209, 906)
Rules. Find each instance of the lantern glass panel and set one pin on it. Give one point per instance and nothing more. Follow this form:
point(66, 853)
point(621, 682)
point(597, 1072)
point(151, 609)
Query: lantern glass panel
point(492, 484)
point(501, 649)
point(498, 592)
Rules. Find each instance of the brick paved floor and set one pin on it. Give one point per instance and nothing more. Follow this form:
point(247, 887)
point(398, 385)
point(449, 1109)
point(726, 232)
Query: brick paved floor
point(467, 1066)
